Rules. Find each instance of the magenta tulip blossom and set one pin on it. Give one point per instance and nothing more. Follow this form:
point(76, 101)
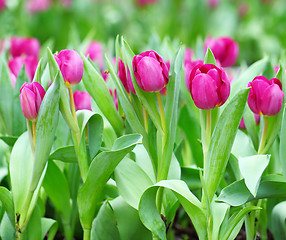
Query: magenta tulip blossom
point(225, 50)
point(265, 97)
point(189, 65)
point(95, 53)
point(209, 86)
point(144, 2)
point(151, 71)
point(82, 100)
point(71, 66)
point(125, 77)
point(17, 63)
point(242, 124)
point(24, 46)
point(114, 96)
point(2, 4)
point(31, 97)
point(34, 6)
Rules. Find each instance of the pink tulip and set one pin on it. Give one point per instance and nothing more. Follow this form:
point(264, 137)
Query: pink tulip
point(66, 3)
point(34, 6)
point(144, 2)
point(213, 3)
point(13, 79)
point(31, 96)
point(24, 46)
point(225, 50)
point(188, 54)
point(82, 100)
point(2, 4)
point(265, 97)
point(209, 86)
point(114, 96)
point(189, 65)
point(17, 63)
point(125, 77)
point(242, 124)
point(71, 66)
point(151, 71)
point(95, 53)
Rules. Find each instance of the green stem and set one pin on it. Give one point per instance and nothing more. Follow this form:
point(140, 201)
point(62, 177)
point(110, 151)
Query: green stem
point(162, 114)
point(72, 104)
point(86, 234)
point(145, 115)
point(34, 133)
point(264, 135)
point(24, 217)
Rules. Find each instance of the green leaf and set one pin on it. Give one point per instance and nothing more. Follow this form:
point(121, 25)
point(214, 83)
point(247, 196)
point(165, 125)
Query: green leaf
point(222, 140)
point(6, 97)
point(7, 229)
point(148, 99)
point(242, 146)
point(57, 189)
point(49, 226)
point(209, 57)
point(21, 169)
point(96, 87)
point(278, 220)
point(8, 204)
point(219, 211)
point(64, 154)
point(128, 109)
point(282, 144)
point(94, 122)
point(234, 221)
point(47, 121)
point(250, 125)
point(131, 181)
point(9, 140)
point(99, 172)
point(33, 230)
point(251, 169)
point(151, 218)
point(105, 217)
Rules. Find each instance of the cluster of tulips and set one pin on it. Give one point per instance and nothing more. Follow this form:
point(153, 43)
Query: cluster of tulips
point(73, 157)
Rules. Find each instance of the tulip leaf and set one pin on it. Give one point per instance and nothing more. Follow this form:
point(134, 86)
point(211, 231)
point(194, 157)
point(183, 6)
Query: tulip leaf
point(282, 144)
point(219, 213)
point(47, 121)
point(151, 218)
point(7, 229)
point(64, 98)
point(64, 154)
point(6, 97)
point(9, 140)
point(251, 169)
point(250, 125)
point(50, 227)
point(8, 204)
point(209, 57)
point(105, 217)
point(128, 109)
point(147, 98)
point(222, 140)
point(33, 230)
point(234, 221)
point(278, 220)
point(21, 169)
point(131, 181)
point(19, 122)
point(237, 193)
point(99, 172)
point(94, 123)
point(98, 90)
point(57, 189)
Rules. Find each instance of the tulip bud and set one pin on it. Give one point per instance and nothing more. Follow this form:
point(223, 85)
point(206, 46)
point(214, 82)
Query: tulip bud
point(151, 71)
point(95, 53)
point(225, 50)
point(209, 86)
point(114, 96)
point(188, 54)
point(13, 79)
point(31, 96)
point(125, 77)
point(144, 2)
point(71, 66)
point(265, 97)
point(2, 4)
point(213, 3)
point(242, 124)
point(189, 65)
point(34, 6)
point(24, 46)
point(17, 63)
point(82, 100)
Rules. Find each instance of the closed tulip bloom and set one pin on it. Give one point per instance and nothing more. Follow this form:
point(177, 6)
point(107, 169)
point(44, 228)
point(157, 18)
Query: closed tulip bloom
point(114, 96)
point(71, 66)
point(95, 53)
point(225, 50)
point(188, 54)
point(144, 2)
point(151, 71)
point(242, 124)
point(13, 79)
point(189, 65)
point(34, 6)
point(17, 63)
point(2, 4)
point(82, 100)
point(124, 77)
point(31, 97)
point(265, 97)
point(209, 86)
point(24, 46)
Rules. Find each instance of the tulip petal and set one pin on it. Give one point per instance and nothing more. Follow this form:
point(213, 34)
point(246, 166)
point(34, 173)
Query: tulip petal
point(27, 98)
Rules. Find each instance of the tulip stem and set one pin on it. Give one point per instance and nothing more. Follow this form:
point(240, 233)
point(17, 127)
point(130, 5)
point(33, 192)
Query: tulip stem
point(34, 133)
point(72, 104)
point(145, 115)
point(162, 113)
point(264, 135)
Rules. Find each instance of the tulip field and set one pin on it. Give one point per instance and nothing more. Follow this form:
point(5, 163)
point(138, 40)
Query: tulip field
point(142, 119)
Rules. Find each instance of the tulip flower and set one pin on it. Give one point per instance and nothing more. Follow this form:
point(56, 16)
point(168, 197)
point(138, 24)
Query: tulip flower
point(213, 3)
point(2, 4)
point(209, 86)
point(34, 6)
point(95, 53)
point(265, 97)
point(114, 96)
point(17, 63)
point(31, 96)
point(71, 66)
point(82, 100)
point(242, 124)
point(188, 54)
point(125, 77)
point(24, 46)
point(144, 2)
point(189, 65)
point(13, 79)
point(225, 50)
point(151, 71)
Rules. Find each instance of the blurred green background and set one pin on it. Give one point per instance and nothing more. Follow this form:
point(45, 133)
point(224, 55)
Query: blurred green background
point(258, 26)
